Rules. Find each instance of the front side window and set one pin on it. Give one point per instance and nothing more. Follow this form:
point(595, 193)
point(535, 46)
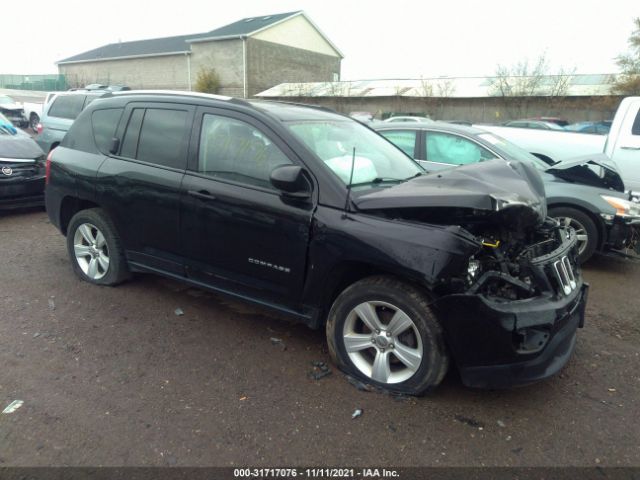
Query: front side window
point(235, 150)
point(454, 149)
point(344, 146)
point(405, 139)
point(67, 106)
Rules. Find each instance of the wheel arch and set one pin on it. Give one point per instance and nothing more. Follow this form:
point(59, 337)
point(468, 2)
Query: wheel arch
point(69, 207)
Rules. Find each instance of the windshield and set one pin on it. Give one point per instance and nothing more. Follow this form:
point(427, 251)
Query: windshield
point(4, 119)
point(375, 161)
point(5, 99)
point(514, 151)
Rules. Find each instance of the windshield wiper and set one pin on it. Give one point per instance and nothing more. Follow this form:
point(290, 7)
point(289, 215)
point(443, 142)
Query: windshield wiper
point(378, 180)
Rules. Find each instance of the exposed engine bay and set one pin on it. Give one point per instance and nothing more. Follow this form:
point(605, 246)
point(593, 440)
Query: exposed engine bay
point(521, 252)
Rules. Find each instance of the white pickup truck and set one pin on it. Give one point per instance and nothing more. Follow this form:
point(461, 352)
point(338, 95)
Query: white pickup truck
point(622, 145)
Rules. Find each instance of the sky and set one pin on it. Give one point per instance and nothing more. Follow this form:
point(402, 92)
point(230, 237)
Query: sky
point(379, 39)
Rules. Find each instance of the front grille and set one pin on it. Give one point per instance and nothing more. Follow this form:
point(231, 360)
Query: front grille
point(19, 170)
point(564, 275)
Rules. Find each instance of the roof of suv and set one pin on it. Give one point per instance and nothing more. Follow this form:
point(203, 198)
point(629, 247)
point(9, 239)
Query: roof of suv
point(281, 110)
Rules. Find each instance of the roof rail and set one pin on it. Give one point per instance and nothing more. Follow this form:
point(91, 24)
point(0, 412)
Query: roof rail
point(181, 93)
point(298, 104)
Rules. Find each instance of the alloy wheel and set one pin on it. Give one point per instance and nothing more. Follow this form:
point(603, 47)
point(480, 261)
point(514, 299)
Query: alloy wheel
point(581, 232)
point(383, 342)
point(90, 248)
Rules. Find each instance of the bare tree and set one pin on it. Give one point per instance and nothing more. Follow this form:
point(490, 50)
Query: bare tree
point(628, 82)
point(517, 85)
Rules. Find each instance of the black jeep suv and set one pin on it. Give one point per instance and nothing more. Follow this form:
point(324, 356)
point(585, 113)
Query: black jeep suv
point(318, 217)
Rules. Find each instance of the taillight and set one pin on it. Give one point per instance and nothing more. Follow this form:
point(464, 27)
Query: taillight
point(47, 168)
point(39, 128)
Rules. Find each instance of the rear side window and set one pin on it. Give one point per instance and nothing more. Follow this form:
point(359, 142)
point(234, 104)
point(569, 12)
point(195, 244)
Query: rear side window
point(161, 138)
point(405, 139)
point(157, 135)
point(67, 106)
point(104, 124)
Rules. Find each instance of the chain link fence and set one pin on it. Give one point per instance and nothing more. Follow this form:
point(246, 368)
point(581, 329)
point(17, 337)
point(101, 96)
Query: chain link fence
point(44, 83)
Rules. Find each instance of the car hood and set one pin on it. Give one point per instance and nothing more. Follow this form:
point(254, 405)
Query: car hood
point(505, 189)
point(595, 170)
point(10, 106)
point(18, 146)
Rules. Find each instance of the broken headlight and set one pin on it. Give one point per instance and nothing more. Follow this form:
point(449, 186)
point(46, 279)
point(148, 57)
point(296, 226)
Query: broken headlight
point(624, 208)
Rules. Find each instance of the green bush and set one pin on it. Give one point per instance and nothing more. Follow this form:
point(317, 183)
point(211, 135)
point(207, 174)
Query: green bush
point(207, 81)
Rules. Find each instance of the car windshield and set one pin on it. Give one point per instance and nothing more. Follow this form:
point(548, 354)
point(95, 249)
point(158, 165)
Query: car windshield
point(514, 151)
point(4, 120)
point(4, 99)
point(343, 145)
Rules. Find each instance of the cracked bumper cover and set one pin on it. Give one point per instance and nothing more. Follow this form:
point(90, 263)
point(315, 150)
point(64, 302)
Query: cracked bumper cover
point(510, 343)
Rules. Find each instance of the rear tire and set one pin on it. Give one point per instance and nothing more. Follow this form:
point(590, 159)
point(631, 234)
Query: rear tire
point(33, 122)
point(95, 249)
point(382, 331)
point(584, 227)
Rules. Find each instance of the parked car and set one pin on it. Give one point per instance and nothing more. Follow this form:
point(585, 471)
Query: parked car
point(622, 145)
point(33, 110)
point(364, 117)
point(12, 111)
point(22, 165)
point(535, 124)
point(600, 128)
point(558, 121)
point(407, 118)
point(315, 215)
point(59, 115)
point(586, 193)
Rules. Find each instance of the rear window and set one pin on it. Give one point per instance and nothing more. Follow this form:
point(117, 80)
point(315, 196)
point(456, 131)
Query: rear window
point(104, 124)
point(67, 106)
point(635, 129)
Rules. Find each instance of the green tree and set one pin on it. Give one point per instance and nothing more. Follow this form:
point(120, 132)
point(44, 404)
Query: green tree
point(628, 82)
point(207, 81)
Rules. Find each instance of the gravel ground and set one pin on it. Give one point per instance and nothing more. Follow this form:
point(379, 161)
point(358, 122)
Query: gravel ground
point(112, 376)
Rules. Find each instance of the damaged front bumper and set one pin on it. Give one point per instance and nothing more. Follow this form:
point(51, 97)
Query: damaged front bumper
point(499, 343)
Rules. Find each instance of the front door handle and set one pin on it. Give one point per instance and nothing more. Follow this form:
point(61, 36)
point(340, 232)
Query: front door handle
point(629, 147)
point(201, 194)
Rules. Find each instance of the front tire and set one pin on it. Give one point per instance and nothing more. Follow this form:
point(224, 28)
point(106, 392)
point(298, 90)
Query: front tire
point(382, 331)
point(586, 230)
point(33, 122)
point(95, 249)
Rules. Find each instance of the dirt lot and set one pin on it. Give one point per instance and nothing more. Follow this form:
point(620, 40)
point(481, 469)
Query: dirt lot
point(112, 376)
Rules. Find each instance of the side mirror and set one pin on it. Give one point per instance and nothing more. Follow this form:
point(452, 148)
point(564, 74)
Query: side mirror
point(291, 180)
point(114, 146)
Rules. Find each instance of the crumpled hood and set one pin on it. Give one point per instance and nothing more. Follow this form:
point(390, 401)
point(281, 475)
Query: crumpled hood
point(494, 186)
point(18, 146)
point(581, 170)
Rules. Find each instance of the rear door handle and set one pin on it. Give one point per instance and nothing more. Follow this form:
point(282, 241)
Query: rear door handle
point(202, 194)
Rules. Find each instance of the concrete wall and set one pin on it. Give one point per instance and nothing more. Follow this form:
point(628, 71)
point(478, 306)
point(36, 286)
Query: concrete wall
point(225, 56)
point(168, 72)
point(475, 110)
point(269, 64)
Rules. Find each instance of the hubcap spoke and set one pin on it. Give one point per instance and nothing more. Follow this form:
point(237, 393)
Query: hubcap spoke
point(100, 241)
point(103, 260)
point(368, 315)
point(381, 368)
point(409, 356)
point(93, 268)
point(355, 342)
point(81, 251)
point(85, 231)
point(399, 323)
point(581, 238)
